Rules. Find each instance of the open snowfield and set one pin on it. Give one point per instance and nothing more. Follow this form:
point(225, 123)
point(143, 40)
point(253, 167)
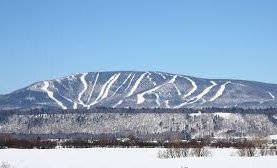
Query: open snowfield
point(126, 158)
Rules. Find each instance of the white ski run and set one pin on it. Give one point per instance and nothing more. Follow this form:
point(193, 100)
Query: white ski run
point(134, 88)
point(51, 94)
point(220, 91)
point(84, 82)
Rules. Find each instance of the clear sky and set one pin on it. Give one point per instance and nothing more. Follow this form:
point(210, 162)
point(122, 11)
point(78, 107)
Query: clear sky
point(203, 38)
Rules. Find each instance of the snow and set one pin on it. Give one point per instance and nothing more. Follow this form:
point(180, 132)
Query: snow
point(96, 79)
point(200, 96)
point(130, 82)
point(194, 87)
point(121, 85)
point(150, 79)
point(134, 88)
point(84, 82)
point(261, 102)
point(74, 103)
point(71, 77)
point(220, 91)
point(105, 89)
point(51, 94)
point(204, 101)
point(109, 86)
point(167, 103)
point(118, 103)
point(172, 81)
point(223, 115)
point(241, 84)
point(178, 91)
point(140, 97)
point(126, 158)
point(271, 95)
point(157, 99)
point(196, 114)
point(161, 75)
point(272, 137)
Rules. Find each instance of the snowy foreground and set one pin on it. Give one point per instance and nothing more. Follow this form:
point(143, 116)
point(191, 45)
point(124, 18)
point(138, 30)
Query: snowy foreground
point(126, 158)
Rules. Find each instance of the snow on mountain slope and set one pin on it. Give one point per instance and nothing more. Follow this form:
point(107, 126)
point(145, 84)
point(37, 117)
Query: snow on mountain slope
point(140, 90)
point(51, 94)
point(220, 91)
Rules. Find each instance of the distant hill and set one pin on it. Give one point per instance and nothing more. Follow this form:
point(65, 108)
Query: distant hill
point(140, 90)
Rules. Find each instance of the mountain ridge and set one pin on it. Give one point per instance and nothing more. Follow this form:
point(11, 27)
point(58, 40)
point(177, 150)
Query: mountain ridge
point(140, 89)
point(140, 71)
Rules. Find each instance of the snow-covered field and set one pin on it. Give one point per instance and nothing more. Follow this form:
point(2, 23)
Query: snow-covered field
point(127, 158)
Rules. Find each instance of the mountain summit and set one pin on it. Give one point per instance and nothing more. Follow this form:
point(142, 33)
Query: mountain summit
point(123, 89)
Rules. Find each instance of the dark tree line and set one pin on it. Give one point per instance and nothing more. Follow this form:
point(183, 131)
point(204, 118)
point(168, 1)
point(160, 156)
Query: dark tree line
point(133, 111)
point(7, 141)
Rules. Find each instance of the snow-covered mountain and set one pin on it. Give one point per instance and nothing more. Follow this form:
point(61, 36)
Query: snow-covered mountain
point(124, 89)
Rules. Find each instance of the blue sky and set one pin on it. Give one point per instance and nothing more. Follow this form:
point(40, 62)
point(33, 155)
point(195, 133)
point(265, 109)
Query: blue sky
point(204, 38)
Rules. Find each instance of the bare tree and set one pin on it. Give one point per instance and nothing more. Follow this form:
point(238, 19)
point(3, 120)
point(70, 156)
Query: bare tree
point(173, 153)
point(5, 165)
point(263, 150)
point(200, 152)
point(272, 151)
point(248, 151)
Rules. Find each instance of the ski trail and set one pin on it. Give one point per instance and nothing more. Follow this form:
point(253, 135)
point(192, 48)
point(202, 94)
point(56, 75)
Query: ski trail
point(94, 84)
point(51, 95)
point(167, 103)
point(194, 87)
point(134, 88)
point(150, 79)
point(130, 82)
point(241, 84)
point(109, 86)
point(68, 99)
point(220, 91)
point(117, 104)
point(172, 81)
point(161, 75)
point(157, 99)
point(271, 95)
point(74, 103)
point(178, 91)
point(84, 82)
point(200, 96)
point(121, 85)
point(140, 97)
point(104, 90)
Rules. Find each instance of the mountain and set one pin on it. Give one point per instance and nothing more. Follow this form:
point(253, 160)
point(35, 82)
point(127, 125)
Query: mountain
point(122, 89)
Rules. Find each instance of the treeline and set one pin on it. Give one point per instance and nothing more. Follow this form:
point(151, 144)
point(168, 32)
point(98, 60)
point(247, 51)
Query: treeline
point(27, 144)
point(133, 111)
point(126, 143)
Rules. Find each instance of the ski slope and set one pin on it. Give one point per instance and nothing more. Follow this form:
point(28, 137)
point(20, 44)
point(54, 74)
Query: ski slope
point(136, 89)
